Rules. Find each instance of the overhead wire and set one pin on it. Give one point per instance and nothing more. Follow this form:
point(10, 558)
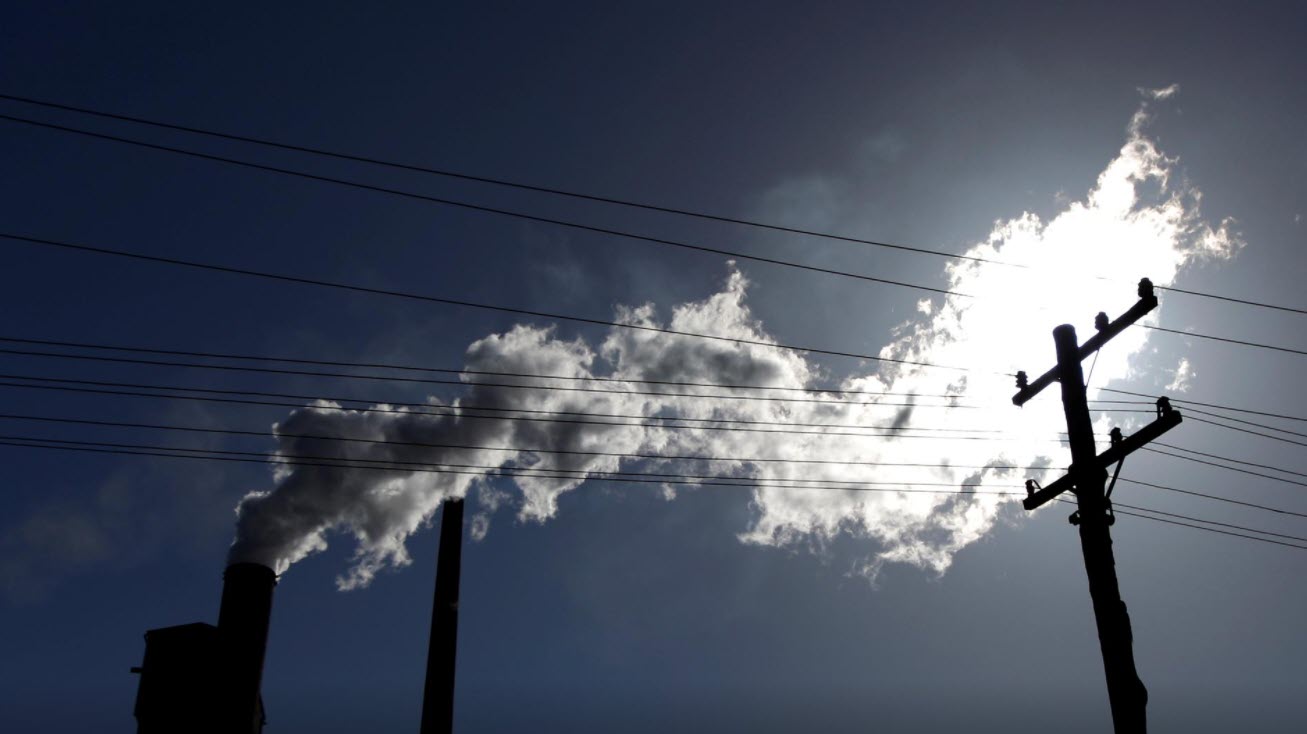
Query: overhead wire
point(601, 230)
point(178, 262)
point(198, 457)
point(322, 283)
point(520, 375)
point(457, 411)
point(533, 218)
point(1231, 299)
point(1249, 472)
point(445, 173)
point(479, 470)
point(497, 211)
point(502, 182)
point(468, 383)
point(1209, 522)
point(1229, 427)
point(1210, 530)
point(461, 371)
point(544, 388)
point(1198, 527)
point(1254, 424)
point(1233, 461)
point(743, 256)
point(585, 474)
point(466, 406)
point(529, 471)
point(1187, 401)
point(1218, 498)
point(280, 434)
point(576, 225)
point(512, 449)
point(1225, 339)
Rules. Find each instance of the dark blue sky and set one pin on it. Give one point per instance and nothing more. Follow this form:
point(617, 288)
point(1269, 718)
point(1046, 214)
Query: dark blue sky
point(626, 612)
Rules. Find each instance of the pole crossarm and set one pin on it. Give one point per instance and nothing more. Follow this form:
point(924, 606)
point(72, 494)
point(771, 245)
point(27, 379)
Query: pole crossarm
point(1169, 419)
point(1147, 302)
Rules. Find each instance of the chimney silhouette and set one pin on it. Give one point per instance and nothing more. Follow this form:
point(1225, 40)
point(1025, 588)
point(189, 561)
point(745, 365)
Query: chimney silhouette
point(201, 679)
point(243, 620)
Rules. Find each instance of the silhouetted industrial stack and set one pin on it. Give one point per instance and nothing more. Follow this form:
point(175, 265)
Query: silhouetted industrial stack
point(205, 679)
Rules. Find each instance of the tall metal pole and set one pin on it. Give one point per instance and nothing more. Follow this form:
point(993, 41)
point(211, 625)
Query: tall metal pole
point(1125, 691)
point(438, 695)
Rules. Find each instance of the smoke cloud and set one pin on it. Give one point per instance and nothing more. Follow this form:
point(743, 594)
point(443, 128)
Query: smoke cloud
point(1138, 216)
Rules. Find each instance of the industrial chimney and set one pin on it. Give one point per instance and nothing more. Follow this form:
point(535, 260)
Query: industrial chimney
point(243, 621)
point(202, 679)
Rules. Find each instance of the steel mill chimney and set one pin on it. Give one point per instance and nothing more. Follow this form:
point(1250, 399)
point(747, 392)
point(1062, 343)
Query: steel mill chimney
point(243, 620)
point(201, 679)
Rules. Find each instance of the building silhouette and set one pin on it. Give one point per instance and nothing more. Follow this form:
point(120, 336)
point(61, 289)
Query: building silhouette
point(205, 679)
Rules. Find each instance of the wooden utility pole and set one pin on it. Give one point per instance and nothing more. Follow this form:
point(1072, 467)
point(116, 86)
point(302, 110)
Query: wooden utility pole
point(1086, 479)
point(438, 694)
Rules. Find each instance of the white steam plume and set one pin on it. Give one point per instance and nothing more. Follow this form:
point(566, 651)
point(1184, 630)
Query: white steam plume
point(998, 330)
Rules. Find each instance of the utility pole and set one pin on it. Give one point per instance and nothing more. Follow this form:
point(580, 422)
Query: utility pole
point(1086, 478)
point(438, 694)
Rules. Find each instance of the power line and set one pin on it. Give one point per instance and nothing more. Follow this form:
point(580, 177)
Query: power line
point(534, 471)
point(452, 371)
point(522, 216)
point(178, 262)
point(596, 453)
point(605, 454)
point(1248, 431)
point(466, 383)
point(523, 375)
point(410, 404)
point(573, 225)
point(505, 183)
point(1232, 461)
point(1224, 339)
point(455, 302)
point(1254, 505)
point(1196, 460)
point(460, 383)
point(890, 430)
point(446, 173)
point(273, 460)
point(487, 209)
point(1211, 530)
point(514, 449)
point(1185, 401)
point(531, 471)
point(1209, 522)
point(1254, 424)
point(454, 412)
point(1230, 299)
point(1198, 527)
point(261, 458)
point(538, 219)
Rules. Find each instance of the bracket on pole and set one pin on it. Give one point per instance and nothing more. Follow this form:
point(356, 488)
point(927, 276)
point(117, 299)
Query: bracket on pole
point(1168, 419)
point(1147, 302)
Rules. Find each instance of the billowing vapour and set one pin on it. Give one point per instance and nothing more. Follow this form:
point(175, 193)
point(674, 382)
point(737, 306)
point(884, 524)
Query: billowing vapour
point(996, 331)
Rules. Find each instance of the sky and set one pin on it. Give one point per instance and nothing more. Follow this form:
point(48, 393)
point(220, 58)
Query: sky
point(1092, 147)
